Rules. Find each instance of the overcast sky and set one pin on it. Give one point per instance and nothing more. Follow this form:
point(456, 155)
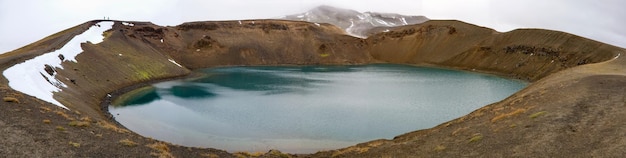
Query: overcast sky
point(25, 21)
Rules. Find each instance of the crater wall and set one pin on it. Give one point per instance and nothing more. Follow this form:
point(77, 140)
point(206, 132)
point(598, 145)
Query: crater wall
point(566, 74)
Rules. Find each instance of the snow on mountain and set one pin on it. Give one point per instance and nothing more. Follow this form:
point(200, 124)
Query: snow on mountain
point(353, 22)
point(31, 76)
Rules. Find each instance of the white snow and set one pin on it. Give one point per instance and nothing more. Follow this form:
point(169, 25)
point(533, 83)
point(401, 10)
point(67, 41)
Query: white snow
point(128, 24)
point(172, 60)
point(239, 22)
point(161, 40)
point(317, 24)
point(29, 77)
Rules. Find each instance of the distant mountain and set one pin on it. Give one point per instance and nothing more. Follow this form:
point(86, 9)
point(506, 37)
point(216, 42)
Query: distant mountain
point(356, 23)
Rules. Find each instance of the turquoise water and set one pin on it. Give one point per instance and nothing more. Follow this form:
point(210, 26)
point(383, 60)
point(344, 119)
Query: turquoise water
point(303, 109)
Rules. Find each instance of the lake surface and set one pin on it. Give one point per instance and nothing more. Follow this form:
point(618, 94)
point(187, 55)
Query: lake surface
point(304, 109)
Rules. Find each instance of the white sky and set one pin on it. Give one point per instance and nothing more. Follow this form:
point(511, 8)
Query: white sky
point(25, 21)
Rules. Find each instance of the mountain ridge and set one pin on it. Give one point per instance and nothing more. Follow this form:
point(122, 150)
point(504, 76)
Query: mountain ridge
point(353, 22)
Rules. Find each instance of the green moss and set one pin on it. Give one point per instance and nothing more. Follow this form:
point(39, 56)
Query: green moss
point(143, 75)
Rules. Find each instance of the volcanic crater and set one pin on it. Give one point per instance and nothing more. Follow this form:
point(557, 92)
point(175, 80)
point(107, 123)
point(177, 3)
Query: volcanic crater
point(574, 105)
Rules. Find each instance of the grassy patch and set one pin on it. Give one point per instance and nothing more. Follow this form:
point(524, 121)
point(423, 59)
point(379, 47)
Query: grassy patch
point(163, 151)
point(64, 115)
point(60, 128)
point(11, 100)
point(86, 119)
point(324, 55)
point(458, 130)
point(79, 124)
point(110, 126)
point(74, 144)
point(502, 116)
point(476, 138)
point(47, 121)
point(45, 109)
point(537, 114)
point(440, 148)
point(128, 142)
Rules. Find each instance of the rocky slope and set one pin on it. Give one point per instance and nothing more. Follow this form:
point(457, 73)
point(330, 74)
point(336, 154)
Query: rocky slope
point(574, 105)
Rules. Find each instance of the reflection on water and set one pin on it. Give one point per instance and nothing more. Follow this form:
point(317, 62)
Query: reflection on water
point(305, 109)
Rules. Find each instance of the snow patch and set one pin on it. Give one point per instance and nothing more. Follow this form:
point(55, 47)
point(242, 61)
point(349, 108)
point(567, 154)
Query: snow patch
point(128, 24)
point(30, 76)
point(161, 40)
point(172, 60)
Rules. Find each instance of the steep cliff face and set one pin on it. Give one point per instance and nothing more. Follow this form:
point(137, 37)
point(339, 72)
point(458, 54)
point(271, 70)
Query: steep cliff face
point(577, 84)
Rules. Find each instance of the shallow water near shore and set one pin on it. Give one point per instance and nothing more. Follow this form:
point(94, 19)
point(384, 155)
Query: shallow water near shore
point(304, 109)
